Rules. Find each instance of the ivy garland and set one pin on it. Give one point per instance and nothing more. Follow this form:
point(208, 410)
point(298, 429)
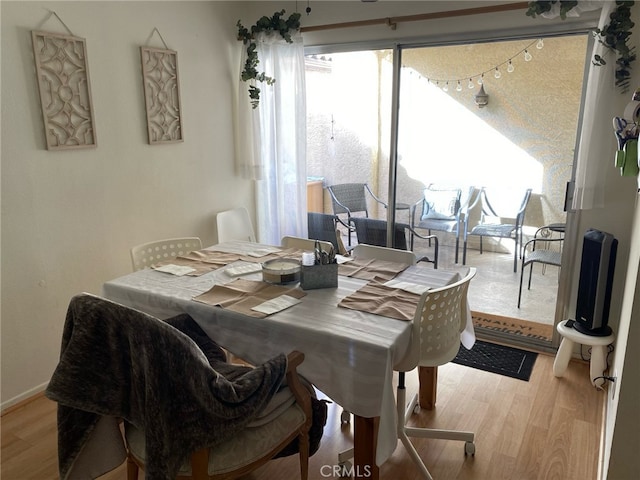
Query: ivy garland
point(614, 36)
point(276, 23)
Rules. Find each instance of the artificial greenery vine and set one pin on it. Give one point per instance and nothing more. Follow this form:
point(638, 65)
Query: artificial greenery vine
point(614, 36)
point(274, 24)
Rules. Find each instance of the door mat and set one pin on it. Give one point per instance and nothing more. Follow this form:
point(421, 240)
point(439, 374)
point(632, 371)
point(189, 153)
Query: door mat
point(490, 357)
point(512, 326)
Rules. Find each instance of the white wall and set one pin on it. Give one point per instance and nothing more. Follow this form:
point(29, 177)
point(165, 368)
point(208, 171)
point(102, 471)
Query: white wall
point(70, 217)
point(623, 419)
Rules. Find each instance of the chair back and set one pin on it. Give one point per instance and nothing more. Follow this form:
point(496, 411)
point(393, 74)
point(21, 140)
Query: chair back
point(504, 203)
point(383, 253)
point(147, 254)
point(322, 226)
point(440, 317)
point(348, 198)
point(374, 232)
point(306, 244)
point(235, 224)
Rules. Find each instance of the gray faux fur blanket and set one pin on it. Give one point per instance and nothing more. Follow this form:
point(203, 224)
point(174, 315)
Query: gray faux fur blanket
point(118, 362)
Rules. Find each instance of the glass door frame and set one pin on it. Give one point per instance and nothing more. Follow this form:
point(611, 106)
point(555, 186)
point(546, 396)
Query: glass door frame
point(572, 217)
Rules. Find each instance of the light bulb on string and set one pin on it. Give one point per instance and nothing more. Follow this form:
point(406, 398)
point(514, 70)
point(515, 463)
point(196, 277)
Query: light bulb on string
point(510, 67)
point(471, 85)
point(459, 87)
point(497, 73)
point(540, 44)
point(527, 56)
point(481, 79)
point(446, 87)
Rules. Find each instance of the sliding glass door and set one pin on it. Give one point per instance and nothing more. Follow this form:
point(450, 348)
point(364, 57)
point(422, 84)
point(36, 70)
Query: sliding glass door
point(500, 114)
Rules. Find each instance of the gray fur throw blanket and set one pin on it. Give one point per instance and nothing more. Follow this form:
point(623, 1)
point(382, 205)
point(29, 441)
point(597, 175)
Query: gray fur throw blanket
point(117, 362)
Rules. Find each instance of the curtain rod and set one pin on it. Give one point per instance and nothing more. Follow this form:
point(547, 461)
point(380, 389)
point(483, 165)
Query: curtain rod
point(392, 21)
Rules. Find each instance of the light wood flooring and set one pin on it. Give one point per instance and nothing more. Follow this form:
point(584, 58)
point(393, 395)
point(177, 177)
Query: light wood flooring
point(544, 429)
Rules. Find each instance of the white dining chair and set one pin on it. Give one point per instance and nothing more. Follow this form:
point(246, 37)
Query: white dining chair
point(365, 251)
point(235, 224)
point(146, 254)
point(306, 244)
point(442, 310)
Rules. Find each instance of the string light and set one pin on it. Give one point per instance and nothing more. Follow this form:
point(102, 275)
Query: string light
point(539, 43)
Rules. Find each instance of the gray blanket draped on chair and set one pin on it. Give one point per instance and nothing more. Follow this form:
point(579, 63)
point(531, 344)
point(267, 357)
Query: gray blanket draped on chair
point(117, 362)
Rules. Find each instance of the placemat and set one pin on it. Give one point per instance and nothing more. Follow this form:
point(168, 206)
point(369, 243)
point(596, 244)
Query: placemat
point(379, 299)
point(241, 295)
point(371, 269)
point(205, 261)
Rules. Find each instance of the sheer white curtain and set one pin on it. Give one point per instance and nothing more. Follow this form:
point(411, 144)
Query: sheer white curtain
point(272, 140)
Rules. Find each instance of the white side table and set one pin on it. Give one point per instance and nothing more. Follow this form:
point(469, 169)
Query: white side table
point(598, 346)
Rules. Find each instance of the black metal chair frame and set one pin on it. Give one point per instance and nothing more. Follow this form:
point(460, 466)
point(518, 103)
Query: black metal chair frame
point(544, 256)
point(502, 230)
point(350, 198)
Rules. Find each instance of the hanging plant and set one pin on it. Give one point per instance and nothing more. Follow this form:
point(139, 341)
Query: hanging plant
point(614, 36)
point(273, 24)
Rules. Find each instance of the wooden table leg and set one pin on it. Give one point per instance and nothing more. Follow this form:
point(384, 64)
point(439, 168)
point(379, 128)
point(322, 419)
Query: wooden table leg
point(365, 440)
point(428, 389)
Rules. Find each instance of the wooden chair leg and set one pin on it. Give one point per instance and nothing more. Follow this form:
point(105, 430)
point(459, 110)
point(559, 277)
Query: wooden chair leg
point(132, 469)
point(303, 447)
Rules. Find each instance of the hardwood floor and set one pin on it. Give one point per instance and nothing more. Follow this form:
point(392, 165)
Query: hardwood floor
point(544, 429)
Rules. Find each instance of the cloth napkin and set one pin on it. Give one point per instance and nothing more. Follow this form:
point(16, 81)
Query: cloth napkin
point(380, 299)
point(242, 295)
point(371, 269)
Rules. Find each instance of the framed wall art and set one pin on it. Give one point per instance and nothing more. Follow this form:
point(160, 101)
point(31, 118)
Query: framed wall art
point(65, 90)
point(161, 95)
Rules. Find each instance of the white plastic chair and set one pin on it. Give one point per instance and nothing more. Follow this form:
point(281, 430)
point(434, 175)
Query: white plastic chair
point(147, 254)
point(365, 251)
point(440, 317)
point(235, 224)
point(307, 244)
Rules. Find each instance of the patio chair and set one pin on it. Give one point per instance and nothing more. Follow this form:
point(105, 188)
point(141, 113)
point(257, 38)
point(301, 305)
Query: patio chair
point(324, 226)
point(374, 232)
point(351, 198)
point(538, 250)
point(492, 219)
point(441, 209)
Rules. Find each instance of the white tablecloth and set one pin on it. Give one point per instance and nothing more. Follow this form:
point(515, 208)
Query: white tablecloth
point(349, 355)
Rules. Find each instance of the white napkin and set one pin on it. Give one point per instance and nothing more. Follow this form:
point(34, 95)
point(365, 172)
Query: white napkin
point(178, 270)
point(276, 304)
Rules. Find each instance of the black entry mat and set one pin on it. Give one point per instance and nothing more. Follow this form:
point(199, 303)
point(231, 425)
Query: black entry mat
point(508, 361)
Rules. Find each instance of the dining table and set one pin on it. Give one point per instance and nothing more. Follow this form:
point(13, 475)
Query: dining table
point(350, 353)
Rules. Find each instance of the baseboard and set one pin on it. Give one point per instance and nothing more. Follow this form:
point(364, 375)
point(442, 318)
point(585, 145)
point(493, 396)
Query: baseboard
point(22, 399)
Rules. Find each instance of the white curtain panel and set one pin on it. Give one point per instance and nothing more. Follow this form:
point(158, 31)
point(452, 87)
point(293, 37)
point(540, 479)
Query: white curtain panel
point(276, 130)
point(595, 149)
